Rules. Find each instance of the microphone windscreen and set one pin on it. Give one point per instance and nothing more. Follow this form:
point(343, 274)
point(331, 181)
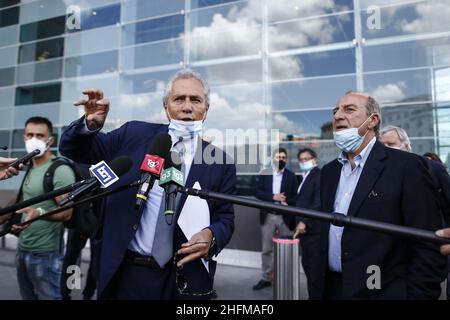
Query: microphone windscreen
point(160, 145)
point(173, 161)
point(121, 165)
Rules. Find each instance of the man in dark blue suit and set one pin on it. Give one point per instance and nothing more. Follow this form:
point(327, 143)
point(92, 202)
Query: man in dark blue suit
point(371, 181)
point(136, 260)
point(278, 185)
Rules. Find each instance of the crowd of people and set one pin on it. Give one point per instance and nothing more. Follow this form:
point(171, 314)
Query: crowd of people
point(375, 176)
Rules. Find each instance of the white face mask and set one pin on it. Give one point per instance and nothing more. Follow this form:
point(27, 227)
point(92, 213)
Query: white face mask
point(186, 129)
point(349, 140)
point(306, 166)
point(33, 144)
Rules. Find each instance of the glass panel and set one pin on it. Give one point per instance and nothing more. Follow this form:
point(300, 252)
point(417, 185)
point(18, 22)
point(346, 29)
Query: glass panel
point(313, 64)
point(145, 107)
point(153, 30)
point(8, 56)
point(9, 17)
point(99, 17)
point(8, 35)
point(280, 10)
point(407, 54)
point(402, 86)
point(7, 3)
point(145, 82)
point(6, 116)
point(311, 32)
point(443, 121)
point(246, 184)
point(42, 29)
point(326, 151)
point(18, 138)
point(4, 138)
point(153, 54)
point(72, 88)
point(104, 62)
point(416, 18)
point(6, 97)
point(102, 39)
point(38, 94)
point(41, 10)
point(206, 3)
point(141, 9)
point(225, 31)
point(416, 119)
point(236, 72)
point(40, 71)
point(6, 77)
point(48, 110)
point(441, 84)
point(43, 50)
point(310, 93)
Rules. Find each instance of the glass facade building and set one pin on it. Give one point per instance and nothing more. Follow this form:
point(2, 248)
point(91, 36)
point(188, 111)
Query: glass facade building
point(272, 64)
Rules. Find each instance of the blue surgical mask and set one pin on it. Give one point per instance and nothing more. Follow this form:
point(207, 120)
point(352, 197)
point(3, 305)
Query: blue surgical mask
point(306, 166)
point(349, 140)
point(186, 129)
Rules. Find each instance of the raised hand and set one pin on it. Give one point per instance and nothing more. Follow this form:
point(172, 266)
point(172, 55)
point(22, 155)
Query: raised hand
point(96, 108)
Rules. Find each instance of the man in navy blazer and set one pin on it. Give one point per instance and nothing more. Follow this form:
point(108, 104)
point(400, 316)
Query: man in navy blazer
point(371, 181)
point(127, 268)
point(278, 185)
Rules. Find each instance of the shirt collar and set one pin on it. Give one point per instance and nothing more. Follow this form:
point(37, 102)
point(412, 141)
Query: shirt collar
point(361, 158)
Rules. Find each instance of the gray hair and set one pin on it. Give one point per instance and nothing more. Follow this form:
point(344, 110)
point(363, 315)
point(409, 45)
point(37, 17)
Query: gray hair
point(372, 107)
point(401, 133)
point(186, 74)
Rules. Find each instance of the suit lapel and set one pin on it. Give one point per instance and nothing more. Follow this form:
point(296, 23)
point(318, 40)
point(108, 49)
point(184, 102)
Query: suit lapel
point(330, 178)
point(370, 174)
point(306, 180)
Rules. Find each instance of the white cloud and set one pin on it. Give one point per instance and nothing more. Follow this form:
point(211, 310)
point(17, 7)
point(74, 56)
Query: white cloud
point(430, 15)
point(391, 92)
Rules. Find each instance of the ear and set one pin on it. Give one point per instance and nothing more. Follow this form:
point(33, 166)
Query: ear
point(374, 120)
point(51, 141)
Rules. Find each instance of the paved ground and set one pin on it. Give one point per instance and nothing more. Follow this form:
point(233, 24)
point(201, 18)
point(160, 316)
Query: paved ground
point(231, 283)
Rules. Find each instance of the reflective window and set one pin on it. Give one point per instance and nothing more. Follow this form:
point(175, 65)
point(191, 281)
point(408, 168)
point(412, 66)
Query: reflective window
point(415, 18)
point(8, 3)
point(42, 29)
point(9, 17)
point(153, 30)
point(6, 118)
point(73, 87)
point(91, 41)
point(38, 94)
point(6, 97)
point(98, 63)
point(206, 3)
point(145, 82)
point(47, 110)
point(140, 9)
point(407, 54)
point(8, 56)
point(40, 51)
point(311, 32)
point(18, 138)
point(280, 10)
point(326, 151)
point(402, 86)
point(4, 138)
point(6, 77)
point(99, 17)
point(40, 71)
point(8, 35)
point(313, 64)
point(311, 93)
point(152, 54)
point(229, 73)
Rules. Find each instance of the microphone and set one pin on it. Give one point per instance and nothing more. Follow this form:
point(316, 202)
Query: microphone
point(102, 174)
point(171, 179)
point(4, 147)
point(152, 165)
point(24, 159)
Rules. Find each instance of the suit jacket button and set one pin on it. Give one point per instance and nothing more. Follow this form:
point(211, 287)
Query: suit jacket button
point(135, 227)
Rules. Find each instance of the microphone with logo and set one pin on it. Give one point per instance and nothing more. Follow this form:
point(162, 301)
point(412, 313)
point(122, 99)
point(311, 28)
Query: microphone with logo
point(103, 175)
point(152, 165)
point(171, 179)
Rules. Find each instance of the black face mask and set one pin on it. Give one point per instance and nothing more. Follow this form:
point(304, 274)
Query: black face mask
point(280, 164)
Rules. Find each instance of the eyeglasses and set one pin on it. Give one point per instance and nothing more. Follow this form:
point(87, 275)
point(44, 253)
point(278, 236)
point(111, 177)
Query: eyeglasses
point(181, 282)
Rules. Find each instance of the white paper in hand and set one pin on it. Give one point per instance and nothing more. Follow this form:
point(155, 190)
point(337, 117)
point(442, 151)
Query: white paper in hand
point(194, 217)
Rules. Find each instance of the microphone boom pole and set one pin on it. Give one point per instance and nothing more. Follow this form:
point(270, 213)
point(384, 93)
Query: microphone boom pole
point(337, 219)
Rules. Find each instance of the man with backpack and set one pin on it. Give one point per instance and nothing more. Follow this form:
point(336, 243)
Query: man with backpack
point(40, 247)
